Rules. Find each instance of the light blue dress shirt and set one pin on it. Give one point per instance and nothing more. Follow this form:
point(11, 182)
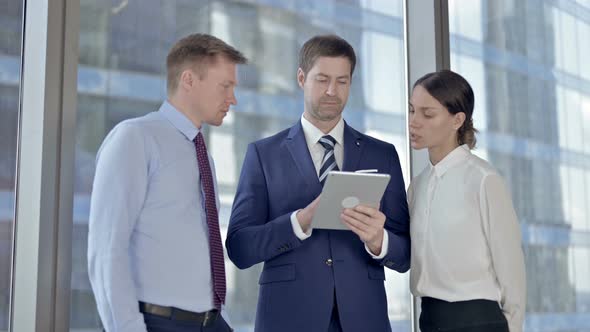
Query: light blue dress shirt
point(148, 237)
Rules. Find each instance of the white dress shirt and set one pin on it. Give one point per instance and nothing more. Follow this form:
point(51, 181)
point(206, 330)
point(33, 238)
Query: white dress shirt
point(317, 151)
point(466, 240)
point(148, 235)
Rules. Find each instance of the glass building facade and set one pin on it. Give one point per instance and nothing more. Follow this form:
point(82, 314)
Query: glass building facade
point(123, 46)
point(11, 22)
point(527, 61)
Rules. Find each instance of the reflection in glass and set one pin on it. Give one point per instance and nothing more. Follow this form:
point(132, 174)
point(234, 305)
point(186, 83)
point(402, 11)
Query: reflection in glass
point(11, 20)
point(123, 46)
point(525, 62)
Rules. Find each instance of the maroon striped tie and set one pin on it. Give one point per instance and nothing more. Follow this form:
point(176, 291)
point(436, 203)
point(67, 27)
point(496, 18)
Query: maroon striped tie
point(215, 246)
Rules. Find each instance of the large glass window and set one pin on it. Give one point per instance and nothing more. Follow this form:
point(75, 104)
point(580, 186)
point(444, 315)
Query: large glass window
point(11, 20)
point(527, 62)
point(123, 45)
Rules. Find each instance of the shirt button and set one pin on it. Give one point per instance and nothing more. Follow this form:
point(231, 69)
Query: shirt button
point(329, 262)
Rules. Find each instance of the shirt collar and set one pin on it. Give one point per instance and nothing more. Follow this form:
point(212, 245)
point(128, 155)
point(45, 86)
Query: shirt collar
point(313, 134)
point(455, 157)
point(179, 120)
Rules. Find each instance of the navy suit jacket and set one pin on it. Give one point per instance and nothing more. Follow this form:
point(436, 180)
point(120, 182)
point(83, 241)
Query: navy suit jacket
point(297, 284)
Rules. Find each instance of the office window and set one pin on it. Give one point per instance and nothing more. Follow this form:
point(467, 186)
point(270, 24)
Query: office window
point(123, 46)
point(527, 63)
point(11, 20)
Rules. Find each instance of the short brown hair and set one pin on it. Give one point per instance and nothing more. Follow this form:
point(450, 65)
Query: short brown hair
point(325, 45)
point(197, 49)
point(456, 95)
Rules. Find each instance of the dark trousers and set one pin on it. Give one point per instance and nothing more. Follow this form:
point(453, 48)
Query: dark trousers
point(463, 316)
point(161, 324)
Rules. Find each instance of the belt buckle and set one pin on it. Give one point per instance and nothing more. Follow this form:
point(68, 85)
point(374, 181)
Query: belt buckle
point(210, 317)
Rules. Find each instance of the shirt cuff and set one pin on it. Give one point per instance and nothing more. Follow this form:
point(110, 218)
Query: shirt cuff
point(297, 227)
point(384, 246)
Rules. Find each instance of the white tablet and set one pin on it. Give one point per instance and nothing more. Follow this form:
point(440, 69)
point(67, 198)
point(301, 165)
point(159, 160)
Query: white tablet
point(347, 190)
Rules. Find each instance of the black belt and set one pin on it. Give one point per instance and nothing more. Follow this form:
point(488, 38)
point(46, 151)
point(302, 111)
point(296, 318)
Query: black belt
point(206, 318)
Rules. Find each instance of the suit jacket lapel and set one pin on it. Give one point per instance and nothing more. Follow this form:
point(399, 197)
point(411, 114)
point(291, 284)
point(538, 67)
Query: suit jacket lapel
point(297, 146)
point(353, 148)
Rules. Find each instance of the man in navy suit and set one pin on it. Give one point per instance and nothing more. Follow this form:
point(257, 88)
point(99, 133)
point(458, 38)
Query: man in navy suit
point(319, 280)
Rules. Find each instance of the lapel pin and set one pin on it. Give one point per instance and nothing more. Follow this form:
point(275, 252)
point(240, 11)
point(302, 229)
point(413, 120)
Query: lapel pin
point(358, 143)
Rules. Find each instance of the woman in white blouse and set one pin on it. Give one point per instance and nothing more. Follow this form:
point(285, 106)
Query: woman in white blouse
point(467, 263)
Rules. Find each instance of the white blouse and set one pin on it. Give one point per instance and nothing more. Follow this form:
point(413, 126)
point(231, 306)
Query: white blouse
point(465, 236)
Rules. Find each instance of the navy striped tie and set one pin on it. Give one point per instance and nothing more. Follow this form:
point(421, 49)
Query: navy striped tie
point(329, 160)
